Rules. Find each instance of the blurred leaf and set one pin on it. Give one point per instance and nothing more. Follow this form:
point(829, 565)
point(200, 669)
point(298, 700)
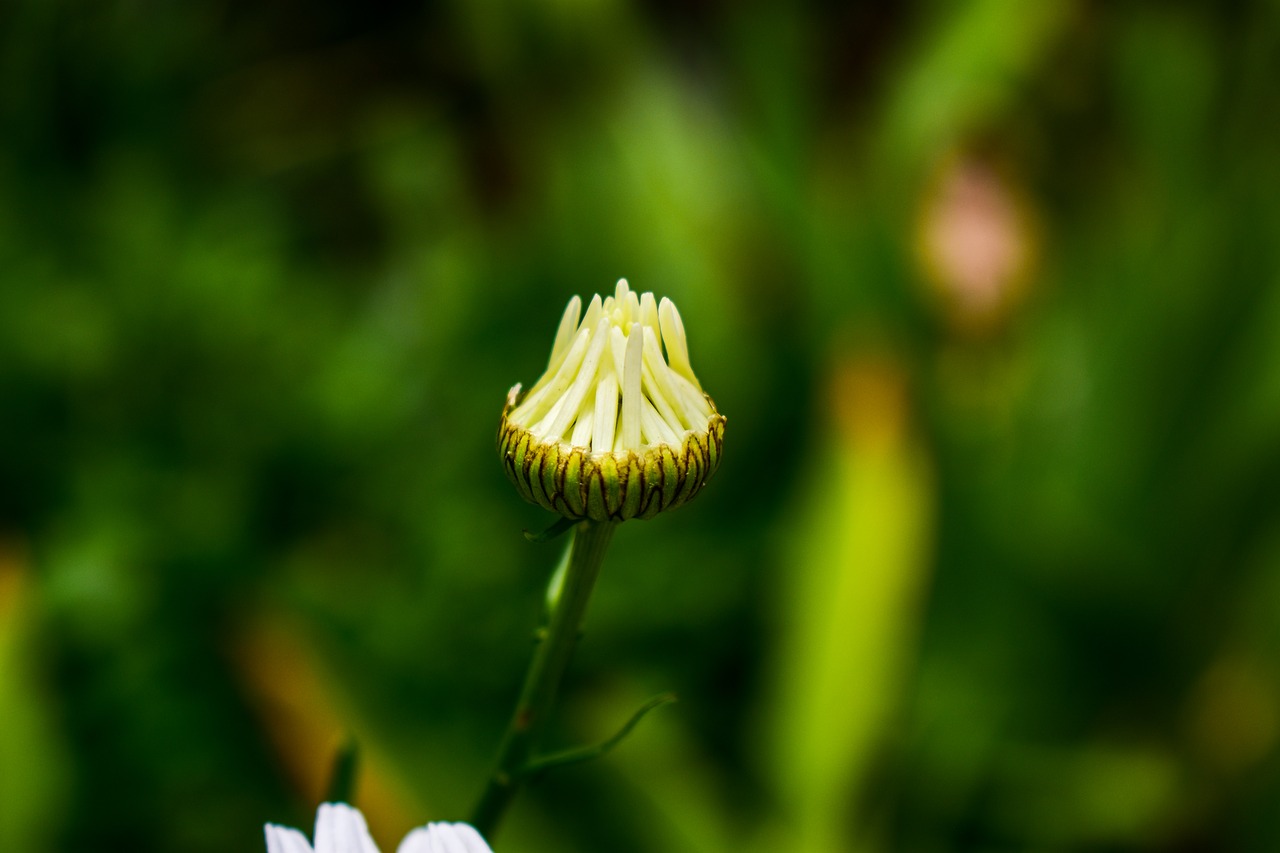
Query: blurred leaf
point(307, 721)
point(34, 766)
point(856, 561)
point(970, 67)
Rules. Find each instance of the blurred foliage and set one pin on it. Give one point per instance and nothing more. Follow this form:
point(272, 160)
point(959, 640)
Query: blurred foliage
point(988, 291)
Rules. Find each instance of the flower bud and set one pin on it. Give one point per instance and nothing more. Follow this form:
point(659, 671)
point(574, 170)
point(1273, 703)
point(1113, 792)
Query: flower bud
point(618, 426)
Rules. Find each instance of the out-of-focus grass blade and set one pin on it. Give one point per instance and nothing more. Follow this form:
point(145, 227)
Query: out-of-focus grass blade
point(968, 68)
point(342, 778)
point(305, 718)
point(32, 759)
point(854, 567)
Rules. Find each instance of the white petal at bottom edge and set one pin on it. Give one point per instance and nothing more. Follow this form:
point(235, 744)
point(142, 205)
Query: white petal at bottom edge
point(444, 838)
point(341, 829)
point(282, 839)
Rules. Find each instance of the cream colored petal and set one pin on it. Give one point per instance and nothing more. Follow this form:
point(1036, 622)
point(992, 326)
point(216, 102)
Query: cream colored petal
point(655, 428)
point(629, 429)
point(541, 428)
point(605, 418)
point(674, 339)
point(653, 395)
point(583, 383)
point(618, 343)
point(592, 316)
point(539, 402)
point(568, 328)
point(564, 340)
point(582, 427)
point(649, 313)
point(692, 398)
point(662, 388)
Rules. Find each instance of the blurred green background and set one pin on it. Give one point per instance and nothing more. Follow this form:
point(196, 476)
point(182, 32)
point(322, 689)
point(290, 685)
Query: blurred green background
point(989, 292)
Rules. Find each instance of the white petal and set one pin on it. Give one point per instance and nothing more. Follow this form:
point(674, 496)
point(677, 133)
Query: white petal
point(417, 841)
point(540, 401)
point(425, 839)
point(564, 335)
point(620, 292)
point(674, 339)
point(629, 430)
point(691, 398)
point(564, 340)
point(580, 435)
point(451, 838)
point(655, 429)
point(592, 316)
point(649, 313)
point(618, 343)
point(540, 428)
point(633, 307)
point(282, 839)
point(586, 379)
point(583, 428)
point(446, 841)
point(471, 840)
point(662, 390)
point(341, 829)
point(605, 418)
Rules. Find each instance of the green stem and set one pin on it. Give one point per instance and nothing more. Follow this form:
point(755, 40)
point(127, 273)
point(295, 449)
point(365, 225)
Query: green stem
point(546, 671)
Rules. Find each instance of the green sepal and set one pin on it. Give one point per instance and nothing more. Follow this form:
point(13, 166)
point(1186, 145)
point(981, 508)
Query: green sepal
point(631, 482)
point(573, 490)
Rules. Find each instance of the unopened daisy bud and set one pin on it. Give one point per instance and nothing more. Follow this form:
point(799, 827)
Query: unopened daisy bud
point(618, 426)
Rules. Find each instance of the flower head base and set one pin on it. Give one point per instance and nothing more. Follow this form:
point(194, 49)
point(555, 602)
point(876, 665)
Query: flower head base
point(614, 429)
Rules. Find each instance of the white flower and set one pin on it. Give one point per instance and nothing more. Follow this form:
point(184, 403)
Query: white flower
point(618, 426)
point(341, 829)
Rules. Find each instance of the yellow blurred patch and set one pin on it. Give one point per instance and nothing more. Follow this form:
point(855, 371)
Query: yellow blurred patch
point(855, 567)
point(1233, 717)
point(306, 722)
point(34, 763)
